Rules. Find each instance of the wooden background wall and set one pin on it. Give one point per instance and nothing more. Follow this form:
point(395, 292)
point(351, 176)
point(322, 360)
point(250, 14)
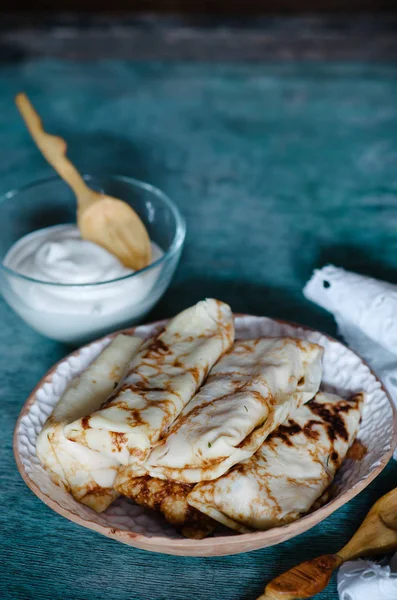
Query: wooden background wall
point(211, 7)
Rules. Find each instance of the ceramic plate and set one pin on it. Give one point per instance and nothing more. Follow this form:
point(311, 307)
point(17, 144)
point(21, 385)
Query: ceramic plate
point(344, 373)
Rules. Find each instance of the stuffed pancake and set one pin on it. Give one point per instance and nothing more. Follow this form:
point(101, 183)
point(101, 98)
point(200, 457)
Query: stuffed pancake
point(290, 471)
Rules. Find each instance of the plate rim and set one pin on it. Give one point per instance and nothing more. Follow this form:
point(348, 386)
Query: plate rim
point(212, 546)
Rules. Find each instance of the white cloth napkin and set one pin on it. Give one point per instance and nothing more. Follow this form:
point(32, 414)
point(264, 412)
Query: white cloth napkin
point(365, 580)
point(365, 311)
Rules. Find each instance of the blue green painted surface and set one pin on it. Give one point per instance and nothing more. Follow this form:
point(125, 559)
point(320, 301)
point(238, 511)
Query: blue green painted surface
point(277, 169)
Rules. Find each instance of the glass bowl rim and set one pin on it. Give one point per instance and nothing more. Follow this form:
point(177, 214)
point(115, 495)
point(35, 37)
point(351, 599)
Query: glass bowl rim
point(175, 246)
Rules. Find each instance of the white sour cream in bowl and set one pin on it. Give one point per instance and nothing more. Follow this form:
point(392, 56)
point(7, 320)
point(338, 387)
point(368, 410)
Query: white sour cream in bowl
point(73, 289)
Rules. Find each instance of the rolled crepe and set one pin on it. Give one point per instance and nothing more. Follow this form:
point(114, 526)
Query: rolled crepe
point(83, 472)
point(289, 472)
point(170, 499)
point(249, 392)
point(161, 380)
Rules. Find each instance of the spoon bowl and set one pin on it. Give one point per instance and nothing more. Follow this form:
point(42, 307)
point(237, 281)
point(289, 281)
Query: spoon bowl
point(114, 225)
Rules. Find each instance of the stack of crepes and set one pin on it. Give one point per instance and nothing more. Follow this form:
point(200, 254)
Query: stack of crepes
point(201, 428)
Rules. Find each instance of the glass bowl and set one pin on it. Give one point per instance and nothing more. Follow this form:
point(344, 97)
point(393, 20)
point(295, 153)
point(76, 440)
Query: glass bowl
point(77, 313)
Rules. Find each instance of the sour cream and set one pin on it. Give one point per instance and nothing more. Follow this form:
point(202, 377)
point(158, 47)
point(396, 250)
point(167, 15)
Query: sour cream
point(60, 255)
point(76, 288)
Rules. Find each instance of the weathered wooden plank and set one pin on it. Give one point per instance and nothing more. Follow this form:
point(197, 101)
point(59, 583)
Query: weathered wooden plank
point(87, 37)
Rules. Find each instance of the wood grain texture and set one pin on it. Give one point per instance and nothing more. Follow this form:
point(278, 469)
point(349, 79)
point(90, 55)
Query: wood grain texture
point(304, 580)
point(278, 168)
point(199, 38)
point(242, 8)
point(376, 536)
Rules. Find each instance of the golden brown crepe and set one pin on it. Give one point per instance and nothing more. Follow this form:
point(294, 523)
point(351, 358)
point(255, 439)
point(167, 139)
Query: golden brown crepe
point(290, 471)
point(170, 499)
point(87, 475)
point(161, 380)
point(248, 393)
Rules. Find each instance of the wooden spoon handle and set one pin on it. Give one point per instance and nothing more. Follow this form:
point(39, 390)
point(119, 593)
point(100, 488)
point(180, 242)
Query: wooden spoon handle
point(304, 580)
point(376, 535)
point(53, 148)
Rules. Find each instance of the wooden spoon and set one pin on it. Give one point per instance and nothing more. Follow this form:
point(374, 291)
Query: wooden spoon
point(377, 535)
point(109, 222)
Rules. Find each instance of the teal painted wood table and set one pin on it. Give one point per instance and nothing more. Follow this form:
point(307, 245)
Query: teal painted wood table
point(278, 168)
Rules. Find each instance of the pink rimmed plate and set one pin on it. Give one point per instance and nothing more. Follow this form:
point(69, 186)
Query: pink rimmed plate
point(344, 373)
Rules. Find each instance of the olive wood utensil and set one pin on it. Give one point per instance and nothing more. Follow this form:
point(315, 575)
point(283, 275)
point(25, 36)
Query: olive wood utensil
point(107, 221)
point(377, 535)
